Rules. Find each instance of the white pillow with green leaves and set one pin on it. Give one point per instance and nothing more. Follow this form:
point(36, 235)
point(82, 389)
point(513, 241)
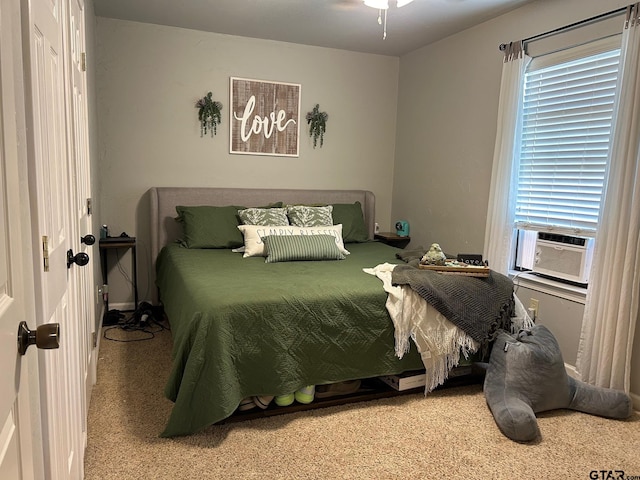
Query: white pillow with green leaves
point(308, 216)
point(264, 216)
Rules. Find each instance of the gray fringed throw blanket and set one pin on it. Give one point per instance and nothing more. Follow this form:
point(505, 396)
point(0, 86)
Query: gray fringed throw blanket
point(479, 306)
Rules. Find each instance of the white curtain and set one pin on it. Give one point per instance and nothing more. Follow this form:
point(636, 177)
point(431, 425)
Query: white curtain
point(611, 310)
point(498, 236)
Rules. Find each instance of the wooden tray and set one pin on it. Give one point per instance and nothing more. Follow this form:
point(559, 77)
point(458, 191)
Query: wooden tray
point(468, 270)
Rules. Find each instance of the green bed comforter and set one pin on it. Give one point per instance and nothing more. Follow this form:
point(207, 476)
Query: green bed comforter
point(243, 327)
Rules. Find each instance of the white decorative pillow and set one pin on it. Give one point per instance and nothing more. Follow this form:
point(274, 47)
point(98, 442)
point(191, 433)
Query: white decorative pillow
point(264, 216)
point(307, 216)
point(253, 234)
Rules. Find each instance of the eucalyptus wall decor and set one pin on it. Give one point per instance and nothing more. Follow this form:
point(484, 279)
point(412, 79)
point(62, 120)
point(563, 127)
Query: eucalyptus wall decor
point(317, 121)
point(209, 114)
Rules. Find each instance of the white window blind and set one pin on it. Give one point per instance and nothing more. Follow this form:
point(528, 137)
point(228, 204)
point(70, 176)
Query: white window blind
point(566, 127)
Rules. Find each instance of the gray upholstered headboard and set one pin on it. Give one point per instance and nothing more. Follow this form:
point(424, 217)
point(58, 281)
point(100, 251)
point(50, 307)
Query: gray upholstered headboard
point(163, 202)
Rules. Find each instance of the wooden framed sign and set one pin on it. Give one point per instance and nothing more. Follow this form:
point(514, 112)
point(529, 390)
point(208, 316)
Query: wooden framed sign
point(264, 117)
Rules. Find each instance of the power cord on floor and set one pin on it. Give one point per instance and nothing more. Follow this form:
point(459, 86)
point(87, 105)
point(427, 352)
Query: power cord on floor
point(145, 319)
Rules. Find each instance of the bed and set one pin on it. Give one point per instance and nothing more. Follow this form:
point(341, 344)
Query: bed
point(243, 327)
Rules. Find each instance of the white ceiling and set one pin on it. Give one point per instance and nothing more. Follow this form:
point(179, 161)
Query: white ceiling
point(343, 24)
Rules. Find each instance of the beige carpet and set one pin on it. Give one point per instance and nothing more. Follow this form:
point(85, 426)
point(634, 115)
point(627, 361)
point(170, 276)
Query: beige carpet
point(448, 434)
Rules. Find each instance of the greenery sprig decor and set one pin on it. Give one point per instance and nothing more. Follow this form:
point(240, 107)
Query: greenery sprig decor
point(317, 121)
point(209, 114)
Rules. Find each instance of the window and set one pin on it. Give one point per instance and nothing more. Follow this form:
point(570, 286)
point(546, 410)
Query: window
point(565, 131)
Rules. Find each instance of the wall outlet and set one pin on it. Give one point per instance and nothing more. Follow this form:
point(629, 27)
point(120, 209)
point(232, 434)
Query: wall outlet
point(534, 303)
point(102, 293)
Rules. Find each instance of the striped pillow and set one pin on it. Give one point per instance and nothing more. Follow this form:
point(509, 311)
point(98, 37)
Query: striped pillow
point(287, 248)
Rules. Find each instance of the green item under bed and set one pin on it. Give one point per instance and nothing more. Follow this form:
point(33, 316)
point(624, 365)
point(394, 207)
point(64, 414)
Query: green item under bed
point(243, 327)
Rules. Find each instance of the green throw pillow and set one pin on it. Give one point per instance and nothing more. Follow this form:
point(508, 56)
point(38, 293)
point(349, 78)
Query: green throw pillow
point(207, 226)
point(287, 248)
point(350, 216)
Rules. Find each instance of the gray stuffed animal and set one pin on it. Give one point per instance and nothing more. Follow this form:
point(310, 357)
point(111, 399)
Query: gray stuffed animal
point(526, 375)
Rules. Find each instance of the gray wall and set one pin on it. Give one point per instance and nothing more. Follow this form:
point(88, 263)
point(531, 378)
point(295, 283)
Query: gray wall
point(447, 114)
point(148, 80)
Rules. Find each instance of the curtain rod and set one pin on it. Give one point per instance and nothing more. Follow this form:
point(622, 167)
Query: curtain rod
point(502, 46)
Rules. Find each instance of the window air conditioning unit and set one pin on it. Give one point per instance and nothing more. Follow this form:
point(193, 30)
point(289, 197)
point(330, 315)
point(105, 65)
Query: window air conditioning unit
point(563, 256)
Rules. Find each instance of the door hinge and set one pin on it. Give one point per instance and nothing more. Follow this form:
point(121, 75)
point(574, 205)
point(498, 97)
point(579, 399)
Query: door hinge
point(45, 253)
point(89, 207)
point(83, 61)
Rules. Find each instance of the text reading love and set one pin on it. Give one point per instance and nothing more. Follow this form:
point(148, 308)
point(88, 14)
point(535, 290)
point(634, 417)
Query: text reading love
point(261, 125)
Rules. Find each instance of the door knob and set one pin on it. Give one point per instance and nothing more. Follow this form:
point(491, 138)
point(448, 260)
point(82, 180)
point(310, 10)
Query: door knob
point(45, 336)
point(88, 239)
point(80, 259)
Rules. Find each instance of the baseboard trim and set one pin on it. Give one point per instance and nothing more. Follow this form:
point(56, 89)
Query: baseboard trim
point(573, 372)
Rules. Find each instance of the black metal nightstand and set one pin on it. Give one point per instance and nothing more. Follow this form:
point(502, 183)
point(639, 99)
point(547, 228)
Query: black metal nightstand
point(115, 243)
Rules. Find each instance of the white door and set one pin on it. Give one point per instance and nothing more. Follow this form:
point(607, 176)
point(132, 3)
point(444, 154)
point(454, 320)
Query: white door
point(81, 287)
point(18, 439)
point(53, 236)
